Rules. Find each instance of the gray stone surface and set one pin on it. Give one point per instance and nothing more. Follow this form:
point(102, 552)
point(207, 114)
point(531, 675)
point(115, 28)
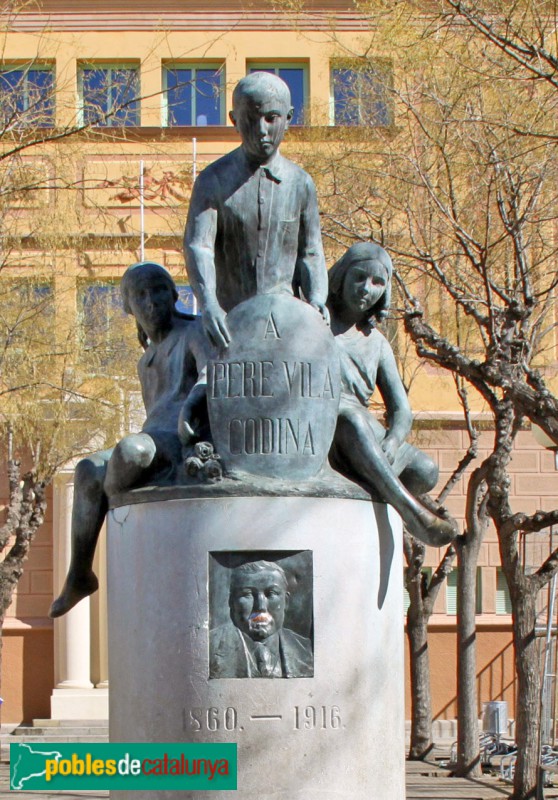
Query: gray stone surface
point(339, 734)
point(273, 394)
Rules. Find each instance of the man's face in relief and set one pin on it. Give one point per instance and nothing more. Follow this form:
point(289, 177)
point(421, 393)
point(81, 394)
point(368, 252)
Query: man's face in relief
point(258, 602)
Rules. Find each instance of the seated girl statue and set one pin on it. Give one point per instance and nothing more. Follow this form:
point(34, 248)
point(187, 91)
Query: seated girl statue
point(363, 450)
point(175, 353)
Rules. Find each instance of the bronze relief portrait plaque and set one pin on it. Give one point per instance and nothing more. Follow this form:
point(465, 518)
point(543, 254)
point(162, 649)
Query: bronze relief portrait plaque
point(261, 614)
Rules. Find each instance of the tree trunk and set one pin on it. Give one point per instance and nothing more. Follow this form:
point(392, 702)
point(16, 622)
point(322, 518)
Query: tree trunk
point(527, 715)
point(468, 754)
point(421, 697)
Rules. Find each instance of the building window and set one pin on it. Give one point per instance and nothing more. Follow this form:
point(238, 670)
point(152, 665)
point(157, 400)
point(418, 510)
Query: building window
point(106, 330)
point(108, 337)
point(99, 304)
point(451, 592)
point(361, 96)
point(109, 95)
point(27, 95)
point(296, 78)
point(26, 314)
point(503, 599)
point(193, 95)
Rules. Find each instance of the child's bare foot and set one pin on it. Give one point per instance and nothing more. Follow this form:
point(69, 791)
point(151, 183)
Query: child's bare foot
point(432, 529)
point(74, 590)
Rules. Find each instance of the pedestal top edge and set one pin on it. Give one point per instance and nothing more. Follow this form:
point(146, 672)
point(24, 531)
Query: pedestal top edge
point(327, 485)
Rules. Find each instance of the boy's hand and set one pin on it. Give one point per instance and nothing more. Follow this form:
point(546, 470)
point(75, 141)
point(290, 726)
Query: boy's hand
point(215, 326)
point(193, 413)
point(186, 433)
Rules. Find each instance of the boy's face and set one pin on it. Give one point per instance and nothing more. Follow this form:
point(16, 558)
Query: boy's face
point(152, 303)
point(261, 118)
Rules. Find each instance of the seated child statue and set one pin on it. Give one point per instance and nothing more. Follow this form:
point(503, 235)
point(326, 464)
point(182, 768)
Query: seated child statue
point(363, 450)
point(175, 353)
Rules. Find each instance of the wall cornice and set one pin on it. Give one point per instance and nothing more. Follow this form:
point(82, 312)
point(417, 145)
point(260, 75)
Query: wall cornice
point(181, 15)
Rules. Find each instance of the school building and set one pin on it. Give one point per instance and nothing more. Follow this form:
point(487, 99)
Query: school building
point(168, 72)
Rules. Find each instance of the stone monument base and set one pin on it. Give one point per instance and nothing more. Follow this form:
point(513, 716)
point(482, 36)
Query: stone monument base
point(338, 735)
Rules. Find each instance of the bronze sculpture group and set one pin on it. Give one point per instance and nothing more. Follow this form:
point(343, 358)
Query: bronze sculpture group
point(253, 229)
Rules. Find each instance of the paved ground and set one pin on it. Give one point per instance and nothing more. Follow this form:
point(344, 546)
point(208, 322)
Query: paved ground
point(426, 780)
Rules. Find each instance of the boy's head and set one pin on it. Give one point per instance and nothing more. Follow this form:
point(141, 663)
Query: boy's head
point(261, 113)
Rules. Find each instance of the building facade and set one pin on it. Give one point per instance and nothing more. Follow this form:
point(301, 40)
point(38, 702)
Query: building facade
point(143, 96)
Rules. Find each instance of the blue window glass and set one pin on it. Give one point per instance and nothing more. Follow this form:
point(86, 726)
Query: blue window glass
point(27, 96)
point(110, 96)
point(179, 97)
point(360, 97)
point(100, 303)
point(296, 80)
point(194, 95)
point(186, 300)
point(26, 318)
point(108, 335)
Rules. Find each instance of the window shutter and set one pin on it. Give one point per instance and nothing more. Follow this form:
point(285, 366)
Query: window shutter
point(451, 593)
point(503, 600)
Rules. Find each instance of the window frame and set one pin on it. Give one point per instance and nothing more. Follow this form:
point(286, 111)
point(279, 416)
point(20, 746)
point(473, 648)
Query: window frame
point(255, 65)
point(111, 66)
point(110, 288)
point(194, 66)
point(39, 291)
point(26, 69)
point(89, 287)
point(382, 66)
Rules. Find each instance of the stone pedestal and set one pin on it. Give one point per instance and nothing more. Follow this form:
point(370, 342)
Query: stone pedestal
point(337, 735)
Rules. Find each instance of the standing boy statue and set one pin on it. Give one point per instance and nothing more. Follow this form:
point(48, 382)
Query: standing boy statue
point(253, 225)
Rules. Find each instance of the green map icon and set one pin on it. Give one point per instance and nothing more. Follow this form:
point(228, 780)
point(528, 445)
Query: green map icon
point(28, 766)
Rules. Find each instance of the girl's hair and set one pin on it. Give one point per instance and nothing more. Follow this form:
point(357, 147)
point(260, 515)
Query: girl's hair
point(362, 251)
point(127, 286)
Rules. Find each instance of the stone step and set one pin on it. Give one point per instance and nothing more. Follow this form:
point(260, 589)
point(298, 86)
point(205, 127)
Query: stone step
point(70, 723)
point(6, 741)
point(55, 731)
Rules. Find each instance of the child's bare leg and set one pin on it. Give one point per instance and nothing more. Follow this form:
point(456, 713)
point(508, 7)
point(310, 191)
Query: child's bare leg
point(130, 460)
point(415, 469)
point(88, 514)
point(418, 472)
point(365, 458)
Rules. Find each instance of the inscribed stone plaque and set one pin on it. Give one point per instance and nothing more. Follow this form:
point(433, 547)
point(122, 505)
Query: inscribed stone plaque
point(273, 394)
